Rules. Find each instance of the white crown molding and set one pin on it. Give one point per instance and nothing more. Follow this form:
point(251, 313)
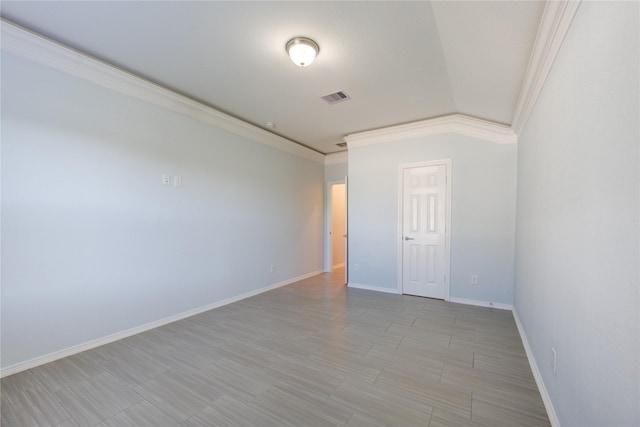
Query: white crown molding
point(29, 45)
point(335, 158)
point(454, 123)
point(555, 22)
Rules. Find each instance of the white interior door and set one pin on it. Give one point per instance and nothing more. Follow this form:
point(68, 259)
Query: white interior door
point(425, 263)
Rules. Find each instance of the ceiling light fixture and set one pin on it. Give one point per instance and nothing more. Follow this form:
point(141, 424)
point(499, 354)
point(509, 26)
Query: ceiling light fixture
point(302, 51)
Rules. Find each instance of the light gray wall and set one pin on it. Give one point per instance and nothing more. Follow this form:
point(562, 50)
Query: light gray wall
point(482, 221)
point(578, 217)
point(94, 244)
point(335, 172)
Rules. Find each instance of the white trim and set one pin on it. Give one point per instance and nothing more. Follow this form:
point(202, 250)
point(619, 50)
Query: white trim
point(336, 158)
point(373, 288)
point(454, 123)
point(553, 417)
point(480, 303)
point(555, 22)
point(346, 229)
point(448, 174)
point(338, 265)
point(29, 45)
point(41, 360)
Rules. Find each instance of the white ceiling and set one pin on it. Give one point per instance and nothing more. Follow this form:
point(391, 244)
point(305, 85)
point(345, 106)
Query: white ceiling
point(399, 61)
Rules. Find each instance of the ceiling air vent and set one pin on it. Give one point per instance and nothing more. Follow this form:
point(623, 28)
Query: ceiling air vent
point(341, 144)
point(334, 98)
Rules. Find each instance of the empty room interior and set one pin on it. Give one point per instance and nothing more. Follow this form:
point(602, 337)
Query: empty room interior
point(309, 213)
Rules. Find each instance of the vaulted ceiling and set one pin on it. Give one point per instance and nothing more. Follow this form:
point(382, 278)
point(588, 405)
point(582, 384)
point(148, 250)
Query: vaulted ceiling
point(398, 61)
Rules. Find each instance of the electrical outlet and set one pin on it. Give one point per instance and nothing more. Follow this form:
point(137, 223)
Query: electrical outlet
point(474, 279)
point(166, 179)
point(272, 268)
point(553, 360)
point(177, 181)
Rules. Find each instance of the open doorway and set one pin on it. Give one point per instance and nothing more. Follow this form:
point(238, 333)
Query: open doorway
point(336, 251)
point(338, 226)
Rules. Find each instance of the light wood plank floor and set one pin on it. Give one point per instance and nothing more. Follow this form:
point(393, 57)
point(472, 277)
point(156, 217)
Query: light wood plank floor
point(313, 353)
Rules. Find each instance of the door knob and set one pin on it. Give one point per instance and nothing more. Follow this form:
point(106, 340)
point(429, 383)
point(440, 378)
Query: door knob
point(409, 238)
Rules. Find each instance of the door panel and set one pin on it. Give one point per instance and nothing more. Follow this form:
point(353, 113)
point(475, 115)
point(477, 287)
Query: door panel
point(424, 248)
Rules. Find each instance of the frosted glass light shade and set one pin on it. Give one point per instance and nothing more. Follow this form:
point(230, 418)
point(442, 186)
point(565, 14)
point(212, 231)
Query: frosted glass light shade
point(302, 51)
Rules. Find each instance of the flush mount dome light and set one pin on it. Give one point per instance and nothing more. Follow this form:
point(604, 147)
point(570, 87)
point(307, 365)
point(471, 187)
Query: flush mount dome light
point(302, 51)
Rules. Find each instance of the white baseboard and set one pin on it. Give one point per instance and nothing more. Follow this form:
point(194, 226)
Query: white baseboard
point(41, 360)
point(480, 303)
point(373, 288)
point(553, 417)
point(338, 266)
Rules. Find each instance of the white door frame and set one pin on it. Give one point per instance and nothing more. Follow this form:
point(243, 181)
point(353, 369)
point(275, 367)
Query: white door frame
point(328, 255)
point(447, 266)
